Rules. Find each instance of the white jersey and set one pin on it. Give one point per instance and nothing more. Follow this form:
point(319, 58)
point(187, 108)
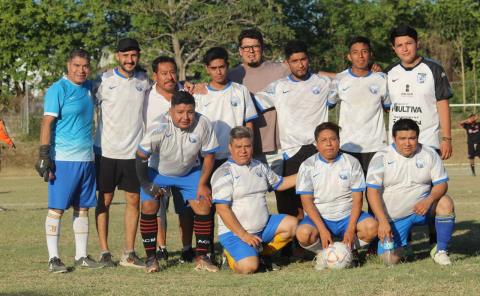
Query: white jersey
point(177, 150)
point(301, 106)
point(155, 105)
point(414, 93)
point(404, 181)
point(120, 123)
point(244, 187)
point(226, 109)
point(362, 101)
point(331, 184)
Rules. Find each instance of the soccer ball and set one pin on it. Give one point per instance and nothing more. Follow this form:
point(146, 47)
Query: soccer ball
point(336, 256)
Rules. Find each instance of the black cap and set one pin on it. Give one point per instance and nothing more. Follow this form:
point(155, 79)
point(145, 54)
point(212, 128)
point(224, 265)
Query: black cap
point(127, 44)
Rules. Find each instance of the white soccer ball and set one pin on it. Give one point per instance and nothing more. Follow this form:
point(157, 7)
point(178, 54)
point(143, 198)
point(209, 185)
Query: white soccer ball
point(336, 256)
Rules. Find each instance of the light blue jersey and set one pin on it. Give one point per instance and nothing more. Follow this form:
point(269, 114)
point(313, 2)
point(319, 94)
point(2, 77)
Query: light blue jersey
point(72, 105)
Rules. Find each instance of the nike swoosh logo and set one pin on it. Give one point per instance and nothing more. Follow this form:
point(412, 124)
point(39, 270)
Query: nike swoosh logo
point(112, 87)
point(286, 91)
point(236, 177)
point(205, 105)
point(168, 135)
point(344, 89)
point(71, 98)
point(316, 175)
point(390, 162)
point(395, 80)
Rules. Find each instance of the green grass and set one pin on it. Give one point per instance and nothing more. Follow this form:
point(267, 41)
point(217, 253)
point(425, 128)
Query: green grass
point(23, 257)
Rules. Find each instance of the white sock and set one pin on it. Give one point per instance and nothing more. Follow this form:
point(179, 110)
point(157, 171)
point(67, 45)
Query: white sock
point(52, 231)
point(80, 228)
point(316, 247)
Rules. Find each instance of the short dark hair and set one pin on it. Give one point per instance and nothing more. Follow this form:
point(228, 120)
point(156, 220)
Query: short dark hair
point(240, 132)
point(252, 34)
point(182, 97)
point(161, 60)
point(215, 53)
point(81, 53)
point(295, 46)
point(327, 126)
point(402, 30)
point(405, 124)
point(359, 39)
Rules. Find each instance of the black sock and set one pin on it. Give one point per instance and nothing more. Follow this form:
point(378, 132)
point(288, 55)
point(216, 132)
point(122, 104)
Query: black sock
point(472, 167)
point(202, 226)
point(148, 229)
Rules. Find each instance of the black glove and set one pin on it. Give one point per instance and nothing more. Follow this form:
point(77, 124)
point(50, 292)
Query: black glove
point(153, 190)
point(44, 165)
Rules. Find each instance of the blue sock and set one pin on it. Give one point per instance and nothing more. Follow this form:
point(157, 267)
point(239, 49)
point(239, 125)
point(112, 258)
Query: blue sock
point(444, 226)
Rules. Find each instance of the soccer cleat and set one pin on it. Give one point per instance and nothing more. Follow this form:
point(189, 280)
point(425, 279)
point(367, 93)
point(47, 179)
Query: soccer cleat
point(151, 265)
point(266, 264)
point(106, 260)
point(56, 265)
point(441, 257)
point(132, 260)
point(203, 263)
point(88, 262)
point(355, 259)
point(162, 254)
point(187, 256)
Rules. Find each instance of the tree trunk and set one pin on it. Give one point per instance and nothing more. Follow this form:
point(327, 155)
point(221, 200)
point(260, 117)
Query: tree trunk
point(462, 67)
point(475, 89)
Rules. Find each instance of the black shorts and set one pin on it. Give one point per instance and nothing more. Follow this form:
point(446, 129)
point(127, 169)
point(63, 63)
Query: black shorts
point(363, 158)
point(112, 173)
point(473, 150)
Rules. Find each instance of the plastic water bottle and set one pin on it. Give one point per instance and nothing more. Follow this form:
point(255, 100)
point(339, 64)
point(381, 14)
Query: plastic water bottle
point(388, 248)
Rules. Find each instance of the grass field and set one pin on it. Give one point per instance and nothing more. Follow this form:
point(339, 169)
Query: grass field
point(23, 254)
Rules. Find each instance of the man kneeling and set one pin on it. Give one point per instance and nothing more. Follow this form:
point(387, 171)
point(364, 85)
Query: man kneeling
point(331, 186)
point(246, 229)
point(407, 186)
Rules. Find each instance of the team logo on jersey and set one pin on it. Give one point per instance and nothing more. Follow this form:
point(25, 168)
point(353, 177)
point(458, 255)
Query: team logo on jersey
point(234, 101)
point(259, 172)
point(420, 163)
point(193, 138)
point(374, 89)
point(316, 90)
point(139, 87)
point(421, 77)
point(343, 175)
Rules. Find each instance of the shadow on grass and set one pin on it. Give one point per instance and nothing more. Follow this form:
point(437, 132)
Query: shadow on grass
point(464, 243)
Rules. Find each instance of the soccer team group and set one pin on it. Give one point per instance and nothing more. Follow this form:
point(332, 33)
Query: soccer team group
point(217, 148)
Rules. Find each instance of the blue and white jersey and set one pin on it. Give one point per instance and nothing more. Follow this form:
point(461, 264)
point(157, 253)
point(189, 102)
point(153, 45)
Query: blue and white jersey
point(226, 109)
point(244, 187)
point(404, 181)
point(71, 134)
point(301, 106)
point(362, 101)
point(331, 184)
point(174, 151)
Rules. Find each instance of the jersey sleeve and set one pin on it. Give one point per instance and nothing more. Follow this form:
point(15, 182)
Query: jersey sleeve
point(304, 180)
point(438, 172)
point(386, 102)
point(442, 85)
point(332, 98)
point(53, 100)
point(222, 186)
point(376, 172)
point(96, 92)
point(153, 137)
point(250, 111)
point(266, 98)
point(357, 178)
point(209, 140)
point(274, 180)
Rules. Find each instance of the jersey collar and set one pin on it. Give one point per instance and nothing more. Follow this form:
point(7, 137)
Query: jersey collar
point(419, 147)
point(229, 83)
point(356, 76)
point(115, 70)
point(229, 159)
point(319, 157)
point(411, 68)
point(290, 77)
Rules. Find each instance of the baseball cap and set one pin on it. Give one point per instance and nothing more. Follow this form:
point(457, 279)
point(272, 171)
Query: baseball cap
point(127, 44)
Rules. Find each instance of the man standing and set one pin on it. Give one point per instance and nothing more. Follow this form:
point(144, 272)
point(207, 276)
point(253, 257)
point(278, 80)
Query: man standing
point(246, 229)
point(407, 186)
point(177, 139)
point(472, 127)
point(120, 98)
point(66, 158)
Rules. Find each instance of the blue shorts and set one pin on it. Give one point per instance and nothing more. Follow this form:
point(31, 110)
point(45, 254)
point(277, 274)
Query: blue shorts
point(336, 228)
point(239, 249)
point(401, 228)
point(187, 184)
point(74, 185)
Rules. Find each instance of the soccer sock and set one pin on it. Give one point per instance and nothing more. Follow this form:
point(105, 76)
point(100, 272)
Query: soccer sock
point(52, 231)
point(148, 229)
point(230, 260)
point(444, 226)
point(316, 247)
point(275, 245)
point(472, 167)
point(80, 228)
point(202, 226)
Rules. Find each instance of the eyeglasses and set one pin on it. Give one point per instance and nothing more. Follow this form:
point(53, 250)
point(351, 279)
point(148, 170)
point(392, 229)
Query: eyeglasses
point(248, 48)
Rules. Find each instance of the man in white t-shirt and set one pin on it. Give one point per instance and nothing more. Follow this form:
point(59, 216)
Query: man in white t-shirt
point(407, 186)
point(331, 185)
point(120, 97)
point(177, 139)
point(300, 100)
point(245, 227)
